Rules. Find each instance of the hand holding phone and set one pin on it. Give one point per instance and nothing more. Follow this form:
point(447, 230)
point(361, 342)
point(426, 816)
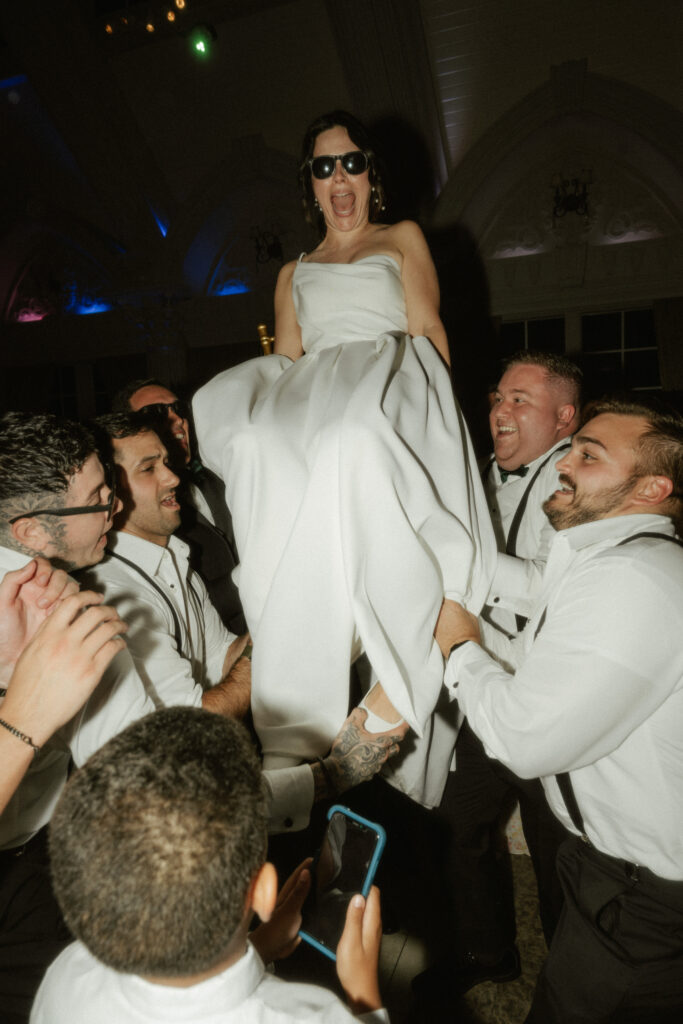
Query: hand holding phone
point(344, 866)
point(358, 953)
point(277, 938)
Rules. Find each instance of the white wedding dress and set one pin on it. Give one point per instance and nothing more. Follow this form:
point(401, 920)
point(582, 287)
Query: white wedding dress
point(356, 505)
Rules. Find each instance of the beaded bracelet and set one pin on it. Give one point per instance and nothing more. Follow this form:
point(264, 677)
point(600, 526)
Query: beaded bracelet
point(20, 735)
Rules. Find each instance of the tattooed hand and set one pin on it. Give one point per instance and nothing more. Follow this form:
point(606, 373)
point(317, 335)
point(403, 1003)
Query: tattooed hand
point(357, 755)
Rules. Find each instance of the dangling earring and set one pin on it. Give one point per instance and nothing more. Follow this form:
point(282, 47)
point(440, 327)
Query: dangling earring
point(316, 204)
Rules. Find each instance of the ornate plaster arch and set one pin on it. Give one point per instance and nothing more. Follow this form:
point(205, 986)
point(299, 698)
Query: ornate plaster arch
point(631, 244)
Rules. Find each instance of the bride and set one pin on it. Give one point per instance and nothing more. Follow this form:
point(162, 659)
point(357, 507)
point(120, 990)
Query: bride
point(349, 472)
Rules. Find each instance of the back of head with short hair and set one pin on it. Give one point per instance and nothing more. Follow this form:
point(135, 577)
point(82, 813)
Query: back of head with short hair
point(561, 372)
point(39, 454)
point(660, 448)
point(155, 841)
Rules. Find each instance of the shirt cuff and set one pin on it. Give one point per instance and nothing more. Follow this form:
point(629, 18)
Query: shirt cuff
point(515, 584)
point(452, 671)
point(290, 794)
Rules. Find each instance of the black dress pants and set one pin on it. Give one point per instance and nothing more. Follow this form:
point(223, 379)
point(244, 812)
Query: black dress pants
point(617, 954)
point(478, 867)
point(32, 930)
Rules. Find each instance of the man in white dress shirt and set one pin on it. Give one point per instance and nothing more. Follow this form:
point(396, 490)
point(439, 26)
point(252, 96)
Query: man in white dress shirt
point(158, 855)
point(533, 414)
point(175, 635)
point(591, 702)
point(55, 502)
point(206, 521)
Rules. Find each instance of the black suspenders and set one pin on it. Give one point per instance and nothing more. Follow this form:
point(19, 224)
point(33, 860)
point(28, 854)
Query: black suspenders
point(177, 631)
point(511, 545)
point(563, 779)
point(513, 532)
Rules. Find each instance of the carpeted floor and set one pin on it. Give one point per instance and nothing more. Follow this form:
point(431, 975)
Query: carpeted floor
point(488, 1003)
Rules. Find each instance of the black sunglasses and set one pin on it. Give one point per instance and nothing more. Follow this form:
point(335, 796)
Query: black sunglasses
point(79, 510)
point(159, 410)
point(355, 162)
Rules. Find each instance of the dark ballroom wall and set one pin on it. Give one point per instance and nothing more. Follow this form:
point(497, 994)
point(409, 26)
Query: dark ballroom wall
point(108, 140)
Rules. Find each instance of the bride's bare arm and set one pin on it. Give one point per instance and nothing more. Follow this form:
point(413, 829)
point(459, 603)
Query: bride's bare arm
point(287, 330)
point(420, 286)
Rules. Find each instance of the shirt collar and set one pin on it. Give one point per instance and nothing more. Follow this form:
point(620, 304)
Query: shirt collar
point(146, 553)
point(533, 465)
point(229, 990)
point(615, 528)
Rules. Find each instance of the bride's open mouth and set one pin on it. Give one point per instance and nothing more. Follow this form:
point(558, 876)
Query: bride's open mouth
point(343, 203)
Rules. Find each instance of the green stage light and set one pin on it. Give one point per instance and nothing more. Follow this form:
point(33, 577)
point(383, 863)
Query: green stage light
point(202, 38)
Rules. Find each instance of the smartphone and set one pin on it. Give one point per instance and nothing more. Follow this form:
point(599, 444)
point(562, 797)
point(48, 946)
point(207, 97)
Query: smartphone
point(344, 865)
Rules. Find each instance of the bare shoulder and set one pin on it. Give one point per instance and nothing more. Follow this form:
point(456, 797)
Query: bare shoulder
point(286, 273)
point(407, 235)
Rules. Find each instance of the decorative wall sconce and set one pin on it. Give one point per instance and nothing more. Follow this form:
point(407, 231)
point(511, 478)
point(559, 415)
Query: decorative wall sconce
point(571, 194)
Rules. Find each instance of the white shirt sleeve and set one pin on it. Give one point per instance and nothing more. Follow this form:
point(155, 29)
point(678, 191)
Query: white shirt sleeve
point(516, 583)
point(290, 797)
point(119, 699)
point(599, 667)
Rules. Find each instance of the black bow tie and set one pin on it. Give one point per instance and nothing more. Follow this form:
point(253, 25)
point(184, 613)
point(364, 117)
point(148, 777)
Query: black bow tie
point(505, 473)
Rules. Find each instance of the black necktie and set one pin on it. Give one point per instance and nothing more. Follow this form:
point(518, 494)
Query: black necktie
point(505, 473)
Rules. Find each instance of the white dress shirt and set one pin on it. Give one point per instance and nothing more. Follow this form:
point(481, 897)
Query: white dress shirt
point(79, 989)
point(118, 700)
point(518, 576)
point(172, 674)
point(180, 676)
point(599, 692)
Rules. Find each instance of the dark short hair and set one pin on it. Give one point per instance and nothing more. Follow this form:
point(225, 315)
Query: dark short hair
point(560, 371)
point(360, 137)
point(121, 400)
point(155, 841)
point(39, 454)
point(660, 446)
point(123, 424)
point(119, 425)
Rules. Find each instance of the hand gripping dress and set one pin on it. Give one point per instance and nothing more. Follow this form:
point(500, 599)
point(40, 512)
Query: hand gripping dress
point(356, 506)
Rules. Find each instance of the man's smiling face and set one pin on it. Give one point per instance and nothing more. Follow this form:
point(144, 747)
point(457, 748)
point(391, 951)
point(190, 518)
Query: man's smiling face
point(598, 477)
point(529, 415)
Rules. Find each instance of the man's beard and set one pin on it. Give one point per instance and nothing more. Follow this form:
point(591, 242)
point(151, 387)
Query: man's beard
point(588, 508)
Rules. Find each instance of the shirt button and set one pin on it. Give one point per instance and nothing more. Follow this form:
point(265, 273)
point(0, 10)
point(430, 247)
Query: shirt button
point(496, 600)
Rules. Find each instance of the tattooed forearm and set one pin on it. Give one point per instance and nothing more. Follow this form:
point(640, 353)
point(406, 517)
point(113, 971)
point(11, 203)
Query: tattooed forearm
point(356, 756)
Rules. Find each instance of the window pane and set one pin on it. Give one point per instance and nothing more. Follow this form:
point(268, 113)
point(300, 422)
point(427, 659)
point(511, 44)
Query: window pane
point(600, 332)
point(546, 335)
point(511, 338)
point(602, 373)
point(642, 369)
point(639, 328)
